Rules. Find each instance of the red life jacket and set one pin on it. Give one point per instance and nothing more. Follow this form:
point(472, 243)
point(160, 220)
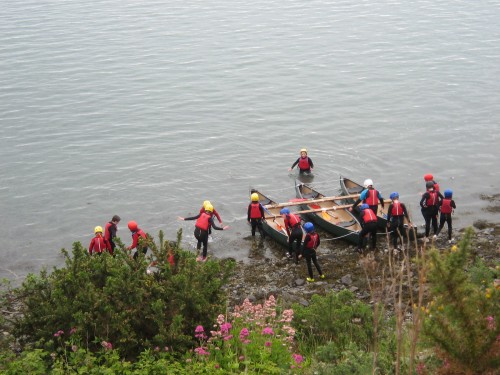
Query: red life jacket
point(369, 216)
point(397, 209)
point(433, 199)
point(99, 244)
point(203, 221)
point(446, 206)
point(304, 163)
point(292, 220)
point(436, 186)
point(371, 197)
point(255, 210)
point(313, 241)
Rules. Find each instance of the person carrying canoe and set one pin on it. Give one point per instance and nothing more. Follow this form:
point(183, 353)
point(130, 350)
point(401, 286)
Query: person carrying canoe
point(430, 207)
point(446, 206)
point(139, 239)
point(110, 230)
point(429, 177)
point(294, 232)
point(370, 196)
point(99, 244)
point(204, 221)
point(255, 215)
point(368, 221)
point(395, 219)
point(311, 243)
point(304, 162)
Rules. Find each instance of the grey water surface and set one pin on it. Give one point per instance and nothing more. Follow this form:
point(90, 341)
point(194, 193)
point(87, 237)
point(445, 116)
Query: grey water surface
point(146, 108)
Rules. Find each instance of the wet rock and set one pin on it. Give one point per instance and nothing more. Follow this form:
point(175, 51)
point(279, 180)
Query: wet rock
point(346, 280)
point(300, 282)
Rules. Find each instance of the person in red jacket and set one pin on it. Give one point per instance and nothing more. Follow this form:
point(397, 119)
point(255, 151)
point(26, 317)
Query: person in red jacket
point(204, 221)
point(139, 239)
point(294, 232)
point(395, 219)
point(110, 230)
point(311, 243)
point(429, 206)
point(255, 215)
point(368, 221)
point(99, 244)
point(304, 162)
point(370, 196)
point(446, 206)
point(215, 213)
point(428, 177)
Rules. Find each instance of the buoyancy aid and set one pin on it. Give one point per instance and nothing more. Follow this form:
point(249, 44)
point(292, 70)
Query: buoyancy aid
point(313, 241)
point(203, 222)
point(371, 197)
point(100, 244)
point(433, 199)
point(255, 210)
point(397, 209)
point(369, 216)
point(292, 220)
point(304, 163)
point(446, 207)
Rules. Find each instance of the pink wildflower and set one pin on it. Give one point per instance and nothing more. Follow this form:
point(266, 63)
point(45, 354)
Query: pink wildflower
point(228, 337)
point(107, 345)
point(226, 327)
point(220, 319)
point(268, 344)
point(201, 351)
point(244, 334)
point(267, 331)
point(420, 368)
point(58, 333)
point(491, 323)
point(200, 333)
point(298, 358)
point(217, 366)
point(72, 330)
point(241, 357)
point(157, 348)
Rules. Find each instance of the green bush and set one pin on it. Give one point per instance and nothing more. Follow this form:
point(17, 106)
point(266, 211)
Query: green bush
point(114, 298)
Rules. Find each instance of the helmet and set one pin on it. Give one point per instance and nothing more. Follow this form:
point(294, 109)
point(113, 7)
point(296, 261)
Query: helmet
point(132, 225)
point(428, 177)
point(254, 197)
point(303, 150)
point(363, 207)
point(205, 203)
point(308, 227)
point(429, 185)
point(285, 211)
point(394, 195)
point(367, 183)
point(97, 229)
point(448, 193)
point(209, 208)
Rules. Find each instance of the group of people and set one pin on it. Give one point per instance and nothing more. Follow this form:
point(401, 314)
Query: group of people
point(305, 237)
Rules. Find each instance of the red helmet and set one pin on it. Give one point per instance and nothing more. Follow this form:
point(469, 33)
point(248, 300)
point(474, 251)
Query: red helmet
point(132, 225)
point(428, 177)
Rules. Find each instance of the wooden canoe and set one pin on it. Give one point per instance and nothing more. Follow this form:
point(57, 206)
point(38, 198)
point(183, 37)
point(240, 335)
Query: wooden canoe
point(339, 222)
point(273, 224)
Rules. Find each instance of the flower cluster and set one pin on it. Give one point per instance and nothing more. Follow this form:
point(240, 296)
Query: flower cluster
point(59, 333)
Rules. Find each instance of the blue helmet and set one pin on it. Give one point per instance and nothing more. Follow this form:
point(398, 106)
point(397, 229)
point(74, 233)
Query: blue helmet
point(394, 195)
point(363, 207)
point(285, 211)
point(448, 193)
point(309, 227)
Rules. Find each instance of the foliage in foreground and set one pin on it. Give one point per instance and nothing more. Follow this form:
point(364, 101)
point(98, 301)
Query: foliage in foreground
point(116, 300)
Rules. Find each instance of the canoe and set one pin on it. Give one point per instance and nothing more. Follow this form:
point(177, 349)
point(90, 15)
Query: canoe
point(273, 225)
point(350, 187)
point(340, 223)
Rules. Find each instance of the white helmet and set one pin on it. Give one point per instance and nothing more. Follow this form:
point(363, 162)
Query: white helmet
point(367, 183)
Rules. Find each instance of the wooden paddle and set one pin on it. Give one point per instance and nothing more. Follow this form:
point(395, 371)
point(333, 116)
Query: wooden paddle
point(298, 201)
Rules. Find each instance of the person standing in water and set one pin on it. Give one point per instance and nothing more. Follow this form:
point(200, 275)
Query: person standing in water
point(304, 162)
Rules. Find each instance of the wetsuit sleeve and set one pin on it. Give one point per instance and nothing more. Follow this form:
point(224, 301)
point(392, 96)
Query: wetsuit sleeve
point(380, 198)
point(440, 195)
point(389, 212)
point(311, 165)
point(192, 217)
point(453, 204)
point(296, 162)
point(212, 223)
point(425, 196)
point(358, 201)
point(217, 216)
point(248, 211)
point(319, 241)
point(405, 211)
point(262, 215)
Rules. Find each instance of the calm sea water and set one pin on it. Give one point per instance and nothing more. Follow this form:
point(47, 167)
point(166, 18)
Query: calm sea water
point(147, 108)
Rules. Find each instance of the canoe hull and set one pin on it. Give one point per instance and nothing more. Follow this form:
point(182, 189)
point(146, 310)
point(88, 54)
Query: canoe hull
point(274, 227)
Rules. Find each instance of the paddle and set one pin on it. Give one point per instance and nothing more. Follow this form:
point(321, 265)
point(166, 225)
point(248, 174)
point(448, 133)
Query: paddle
point(340, 207)
point(325, 215)
point(298, 201)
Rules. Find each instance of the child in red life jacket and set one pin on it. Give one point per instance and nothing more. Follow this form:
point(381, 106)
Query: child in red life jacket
point(98, 244)
point(204, 221)
point(428, 177)
point(370, 196)
point(395, 219)
point(255, 215)
point(139, 239)
point(305, 163)
point(311, 243)
point(294, 231)
point(429, 204)
point(446, 206)
point(368, 221)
